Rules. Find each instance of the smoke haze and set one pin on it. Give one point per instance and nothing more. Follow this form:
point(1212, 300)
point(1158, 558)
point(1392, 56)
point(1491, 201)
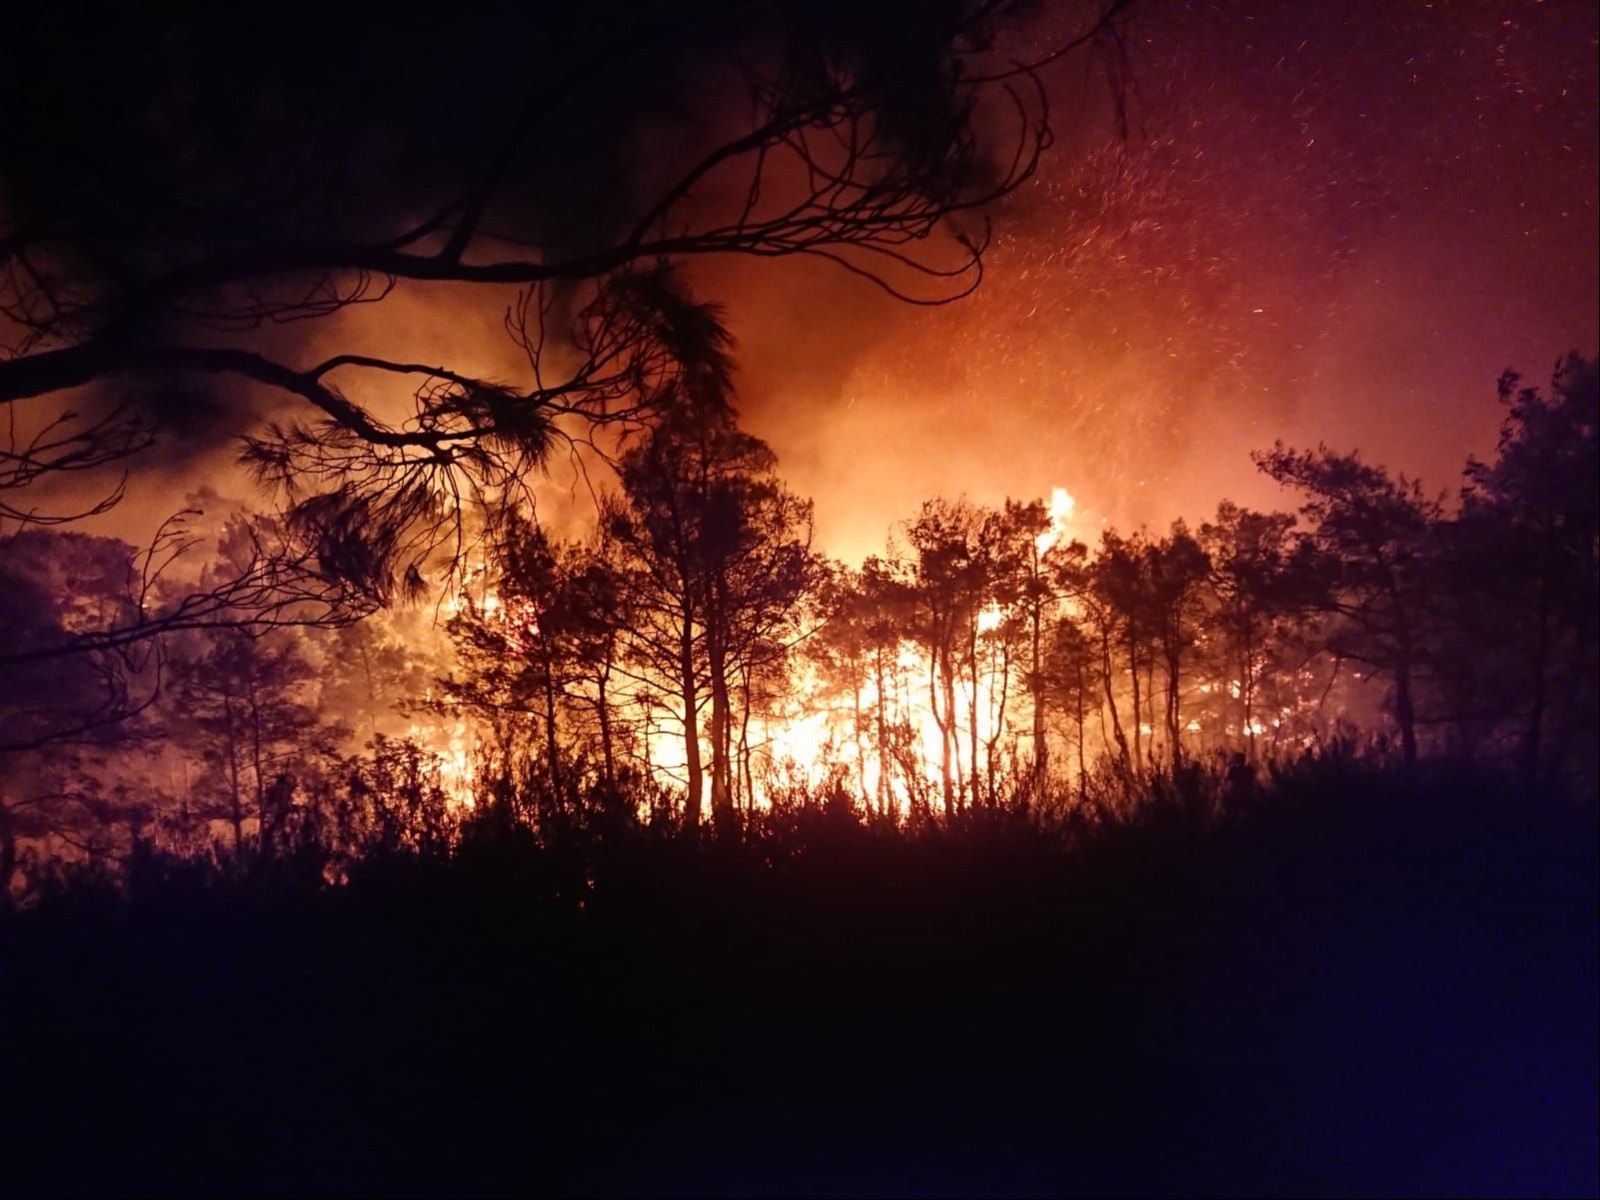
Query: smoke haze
point(1332, 225)
point(1341, 236)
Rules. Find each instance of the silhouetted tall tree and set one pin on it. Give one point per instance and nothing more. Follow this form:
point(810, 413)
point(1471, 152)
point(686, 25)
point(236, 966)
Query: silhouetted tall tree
point(1263, 582)
point(1524, 553)
point(1070, 674)
point(1027, 588)
point(949, 585)
point(716, 557)
point(1120, 585)
point(841, 650)
point(887, 608)
point(250, 706)
point(1374, 533)
point(1178, 569)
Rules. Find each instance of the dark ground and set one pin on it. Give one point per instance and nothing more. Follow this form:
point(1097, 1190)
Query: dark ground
point(1354, 990)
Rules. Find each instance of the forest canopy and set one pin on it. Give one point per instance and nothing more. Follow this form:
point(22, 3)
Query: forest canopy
point(695, 652)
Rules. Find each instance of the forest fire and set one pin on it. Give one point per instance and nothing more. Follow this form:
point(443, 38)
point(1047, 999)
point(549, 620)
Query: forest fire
point(694, 642)
point(692, 652)
point(800, 598)
point(811, 733)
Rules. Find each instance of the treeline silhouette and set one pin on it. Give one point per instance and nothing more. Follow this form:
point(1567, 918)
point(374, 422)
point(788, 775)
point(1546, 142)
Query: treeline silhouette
point(1343, 979)
point(696, 648)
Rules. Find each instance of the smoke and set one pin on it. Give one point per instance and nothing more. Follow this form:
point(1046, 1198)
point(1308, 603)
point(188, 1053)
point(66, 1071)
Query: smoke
point(1324, 223)
point(1328, 224)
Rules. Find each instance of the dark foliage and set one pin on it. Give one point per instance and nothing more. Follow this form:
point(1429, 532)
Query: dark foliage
point(1345, 981)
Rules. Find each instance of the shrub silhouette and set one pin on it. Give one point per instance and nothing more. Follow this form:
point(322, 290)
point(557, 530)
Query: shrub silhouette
point(1347, 979)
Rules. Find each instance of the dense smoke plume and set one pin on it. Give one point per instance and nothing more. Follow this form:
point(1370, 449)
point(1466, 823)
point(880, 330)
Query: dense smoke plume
point(1338, 234)
point(1331, 226)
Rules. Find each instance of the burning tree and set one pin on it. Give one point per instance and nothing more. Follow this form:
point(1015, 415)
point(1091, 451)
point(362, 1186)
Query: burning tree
point(539, 653)
point(1178, 572)
point(715, 557)
point(949, 586)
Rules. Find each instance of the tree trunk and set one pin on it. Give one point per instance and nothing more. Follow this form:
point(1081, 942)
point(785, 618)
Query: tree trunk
point(603, 715)
point(939, 665)
point(883, 734)
point(721, 743)
point(745, 775)
point(1150, 706)
point(991, 742)
point(1138, 716)
point(264, 829)
point(1404, 712)
point(1247, 692)
point(372, 697)
point(1174, 665)
point(972, 714)
point(691, 727)
point(236, 808)
point(1083, 773)
point(1111, 697)
point(721, 712)
point(8, 851)
point(1041, 749)
point(855, 712)
point(552, 748)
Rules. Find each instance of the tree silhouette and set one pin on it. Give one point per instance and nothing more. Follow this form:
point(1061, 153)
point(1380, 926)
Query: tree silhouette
point(162, 257)
point(715, 559)
point(841, 650)
point(1373, 532)
point(1177, 573)
point(1069, 684)
point(949, 582)
point(658, 662)
point(541, 647)
point(866, 617)
point(163, 251)
point(1120, 585)
point(1523, 559)
point(55, 586)
point(1264, 583)
point(250, 707)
